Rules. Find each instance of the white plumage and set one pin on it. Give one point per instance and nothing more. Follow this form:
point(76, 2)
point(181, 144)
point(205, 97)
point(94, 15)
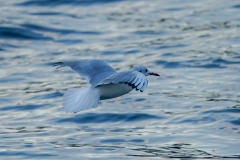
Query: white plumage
point(105, 83)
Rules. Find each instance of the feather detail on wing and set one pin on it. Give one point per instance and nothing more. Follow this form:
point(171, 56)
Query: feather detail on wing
point(94, 71)
point(134, 79)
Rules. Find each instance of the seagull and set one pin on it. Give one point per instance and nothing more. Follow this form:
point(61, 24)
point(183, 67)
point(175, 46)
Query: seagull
point(105, 82)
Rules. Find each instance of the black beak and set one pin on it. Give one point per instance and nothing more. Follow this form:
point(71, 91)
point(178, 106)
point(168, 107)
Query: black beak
point(154, 74)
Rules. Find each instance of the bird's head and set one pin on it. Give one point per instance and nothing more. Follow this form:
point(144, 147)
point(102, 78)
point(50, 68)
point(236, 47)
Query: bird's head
point(144, 71)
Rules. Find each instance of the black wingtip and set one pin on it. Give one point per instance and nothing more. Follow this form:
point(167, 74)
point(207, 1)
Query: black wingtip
point(131, 85)
point(58, 65)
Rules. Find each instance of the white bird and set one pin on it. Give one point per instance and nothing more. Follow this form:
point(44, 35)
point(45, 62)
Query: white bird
point(105, 83)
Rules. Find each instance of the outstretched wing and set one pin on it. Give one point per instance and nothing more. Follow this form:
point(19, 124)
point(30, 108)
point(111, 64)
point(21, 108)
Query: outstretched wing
point(93, 70)
point(132, 78)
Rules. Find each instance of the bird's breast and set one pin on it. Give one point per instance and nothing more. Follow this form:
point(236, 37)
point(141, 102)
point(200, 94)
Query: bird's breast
point(113, 90)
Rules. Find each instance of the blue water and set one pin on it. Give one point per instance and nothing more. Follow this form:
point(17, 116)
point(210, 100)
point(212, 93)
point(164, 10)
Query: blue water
point(191, 112)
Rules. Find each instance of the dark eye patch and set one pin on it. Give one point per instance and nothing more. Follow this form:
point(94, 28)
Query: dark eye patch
point(146, 70)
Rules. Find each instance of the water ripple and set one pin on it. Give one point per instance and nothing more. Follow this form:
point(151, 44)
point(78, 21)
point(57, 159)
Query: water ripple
point(22, 107)
point(20, 33)
point(108, 117)
point(50, 3)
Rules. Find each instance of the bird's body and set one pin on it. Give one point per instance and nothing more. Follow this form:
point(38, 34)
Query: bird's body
point(105, 83)
point(113, 90)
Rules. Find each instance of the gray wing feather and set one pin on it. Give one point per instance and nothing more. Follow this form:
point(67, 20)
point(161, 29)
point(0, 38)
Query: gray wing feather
point(138, 82)
point(133, 78)
point(94, 71)
point(144, 86)
point(140, 85)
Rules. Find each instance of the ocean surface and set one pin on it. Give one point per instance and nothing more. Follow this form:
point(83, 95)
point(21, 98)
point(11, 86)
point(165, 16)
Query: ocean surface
point(190, 112)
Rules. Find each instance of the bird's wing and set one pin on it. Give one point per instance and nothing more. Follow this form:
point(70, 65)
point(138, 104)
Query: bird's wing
point(94, 71)
point(132, 78)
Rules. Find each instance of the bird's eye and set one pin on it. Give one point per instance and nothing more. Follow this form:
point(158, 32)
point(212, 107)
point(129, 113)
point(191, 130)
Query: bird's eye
point(146, 70)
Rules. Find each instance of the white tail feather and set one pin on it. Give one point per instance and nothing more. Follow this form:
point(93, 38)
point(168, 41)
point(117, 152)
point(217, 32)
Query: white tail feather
point(78, 99)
